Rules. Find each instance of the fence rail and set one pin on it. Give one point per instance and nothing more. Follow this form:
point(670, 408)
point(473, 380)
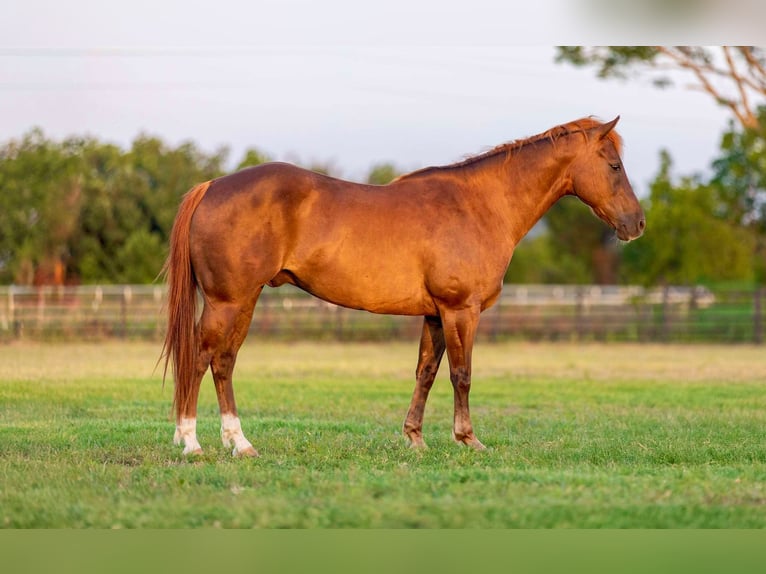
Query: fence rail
point(529, 312)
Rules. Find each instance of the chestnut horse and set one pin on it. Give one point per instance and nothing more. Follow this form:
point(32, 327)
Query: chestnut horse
point(435, 242)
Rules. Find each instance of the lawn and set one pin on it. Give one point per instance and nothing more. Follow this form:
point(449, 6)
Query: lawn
point(586, 436)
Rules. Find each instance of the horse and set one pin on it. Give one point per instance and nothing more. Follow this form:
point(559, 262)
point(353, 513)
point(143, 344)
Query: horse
point(434, 243)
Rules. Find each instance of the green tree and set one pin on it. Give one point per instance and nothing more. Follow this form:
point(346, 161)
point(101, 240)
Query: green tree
point(740, 181)
point(690, 242)
point(81, 210)
point(252, 157)
point(733, 203)
point(577, 235)
point(130, 199)
point(538, 260)
point(167, 174)
point(139, 259)
point(108, 214)
point(40, 194)
point(740, 174)
point(382, 174)
point(324, 167)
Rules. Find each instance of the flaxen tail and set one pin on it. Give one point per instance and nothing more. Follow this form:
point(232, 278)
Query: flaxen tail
point(181, 338)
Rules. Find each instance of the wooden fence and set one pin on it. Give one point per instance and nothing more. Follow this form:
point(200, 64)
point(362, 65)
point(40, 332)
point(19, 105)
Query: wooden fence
point(528, 312)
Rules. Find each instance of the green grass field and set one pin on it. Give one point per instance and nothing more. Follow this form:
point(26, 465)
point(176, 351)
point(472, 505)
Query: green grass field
point(585, 436)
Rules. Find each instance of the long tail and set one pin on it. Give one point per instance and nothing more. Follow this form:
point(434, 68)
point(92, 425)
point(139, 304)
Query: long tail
point(181, 338)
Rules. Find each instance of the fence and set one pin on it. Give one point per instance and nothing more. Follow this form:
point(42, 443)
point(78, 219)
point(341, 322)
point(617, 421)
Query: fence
point(528, 312)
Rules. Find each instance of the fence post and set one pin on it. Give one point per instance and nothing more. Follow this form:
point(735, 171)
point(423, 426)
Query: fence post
point(665, 309)
point(758, 315)
point(98, 297)
point(127, 295)
point(644, 314)
point(158, 302)
point(579, 314)
point(15, 329)
point(339, 312)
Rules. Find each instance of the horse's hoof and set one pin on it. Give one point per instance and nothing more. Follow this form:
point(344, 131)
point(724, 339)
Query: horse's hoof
point(415, 440)
point(469, 440)
point(476, 444)
point(194, 452)
point(249, 452)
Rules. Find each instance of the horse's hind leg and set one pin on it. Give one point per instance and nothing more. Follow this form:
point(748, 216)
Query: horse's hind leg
point(430, 355)
point(224, 328)
point(186, 422)
point(221, 330)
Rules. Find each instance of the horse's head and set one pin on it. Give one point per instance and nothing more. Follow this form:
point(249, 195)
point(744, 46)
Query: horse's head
point(598, 179)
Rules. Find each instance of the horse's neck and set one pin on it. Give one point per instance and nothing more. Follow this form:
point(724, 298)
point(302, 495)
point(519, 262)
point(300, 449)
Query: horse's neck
point(536, 179)
point(519, 189)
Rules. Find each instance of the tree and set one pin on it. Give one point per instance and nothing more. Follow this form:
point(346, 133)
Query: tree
point(382, 173)
point(732, 205)
point(740, 174)
point(131, 202)
point(538, 260)
point(740, 181)
point(253, 156)
point(41, 194)
point(576, 234)
point(81, 210)
point(690, 242)
point(734, 76)
point(324, 167)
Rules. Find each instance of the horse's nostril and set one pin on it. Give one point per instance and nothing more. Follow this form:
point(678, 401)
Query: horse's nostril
point(641, 224)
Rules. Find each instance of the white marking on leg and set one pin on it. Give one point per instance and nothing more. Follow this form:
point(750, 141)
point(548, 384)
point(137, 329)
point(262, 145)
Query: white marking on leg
point(186, 432)
point(231, 432)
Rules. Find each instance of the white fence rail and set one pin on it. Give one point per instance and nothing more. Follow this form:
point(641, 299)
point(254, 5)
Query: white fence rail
point(523, 311)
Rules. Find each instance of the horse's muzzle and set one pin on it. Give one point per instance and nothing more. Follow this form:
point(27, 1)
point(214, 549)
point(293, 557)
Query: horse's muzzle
point(631, 227)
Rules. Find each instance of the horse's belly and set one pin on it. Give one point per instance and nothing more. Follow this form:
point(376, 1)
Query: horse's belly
point(383, 294)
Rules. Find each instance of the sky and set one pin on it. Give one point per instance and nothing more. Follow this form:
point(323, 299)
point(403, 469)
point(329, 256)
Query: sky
point(349, 83)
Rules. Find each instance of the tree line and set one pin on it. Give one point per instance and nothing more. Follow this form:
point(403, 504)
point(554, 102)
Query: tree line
point(85, 211)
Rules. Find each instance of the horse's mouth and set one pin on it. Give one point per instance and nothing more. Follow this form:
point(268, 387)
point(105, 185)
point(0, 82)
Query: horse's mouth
point(629, 232)
point(627, 227)
point(626, 237)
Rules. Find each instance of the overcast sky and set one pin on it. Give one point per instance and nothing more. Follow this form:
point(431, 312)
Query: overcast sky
point(326, 81)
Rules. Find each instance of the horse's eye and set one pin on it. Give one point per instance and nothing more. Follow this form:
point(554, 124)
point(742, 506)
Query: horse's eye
point(615, 166)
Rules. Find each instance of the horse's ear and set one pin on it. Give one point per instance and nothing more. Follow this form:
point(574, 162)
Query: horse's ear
point(603, 130)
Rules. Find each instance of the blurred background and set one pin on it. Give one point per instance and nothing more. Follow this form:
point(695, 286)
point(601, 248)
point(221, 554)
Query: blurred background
point(109, 114)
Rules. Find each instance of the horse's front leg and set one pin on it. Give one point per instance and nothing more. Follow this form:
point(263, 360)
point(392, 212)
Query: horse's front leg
point(459, 332)
point(430, 355)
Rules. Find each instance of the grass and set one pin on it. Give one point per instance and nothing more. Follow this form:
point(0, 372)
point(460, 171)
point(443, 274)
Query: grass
point(587, 436)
